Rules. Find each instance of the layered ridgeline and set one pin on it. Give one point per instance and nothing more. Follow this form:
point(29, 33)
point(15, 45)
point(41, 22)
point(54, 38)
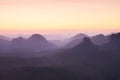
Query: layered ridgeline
point(37, 42)
point(85, 61)
point(34, 43)
point(77, 39)
point(94, 62)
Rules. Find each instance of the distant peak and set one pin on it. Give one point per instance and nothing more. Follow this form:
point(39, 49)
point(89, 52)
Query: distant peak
point(115, 36)
point(80, 35)
point(19, 39)
point(4, 37)
point(99, 35)
point(37, 36)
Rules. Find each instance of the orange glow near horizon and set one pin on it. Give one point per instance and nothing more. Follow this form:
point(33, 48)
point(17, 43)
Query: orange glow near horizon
point(55, 16)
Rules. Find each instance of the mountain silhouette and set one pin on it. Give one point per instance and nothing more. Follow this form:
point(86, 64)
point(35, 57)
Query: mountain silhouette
point(34, 43)
point(37, 37)
point(95, 62)
point(18, 44)
point(37, 43)
point(75, 40)
point(4, 37)
point(84, 61)
point(114, 43)
point(100, 39)
point(73, 43)
point(85, 46)
point(115, 38)
point(79, 36)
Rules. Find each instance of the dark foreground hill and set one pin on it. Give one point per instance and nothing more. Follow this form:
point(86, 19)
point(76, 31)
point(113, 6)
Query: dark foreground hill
point(35, 73)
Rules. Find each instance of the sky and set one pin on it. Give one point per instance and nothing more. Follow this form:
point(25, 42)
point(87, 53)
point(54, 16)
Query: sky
point(59, 16)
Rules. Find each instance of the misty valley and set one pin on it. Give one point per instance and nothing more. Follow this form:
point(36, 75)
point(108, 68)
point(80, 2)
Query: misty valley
point(80, 57)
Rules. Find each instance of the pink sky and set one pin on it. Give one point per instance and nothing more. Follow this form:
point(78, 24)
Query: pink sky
point(59, 16)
